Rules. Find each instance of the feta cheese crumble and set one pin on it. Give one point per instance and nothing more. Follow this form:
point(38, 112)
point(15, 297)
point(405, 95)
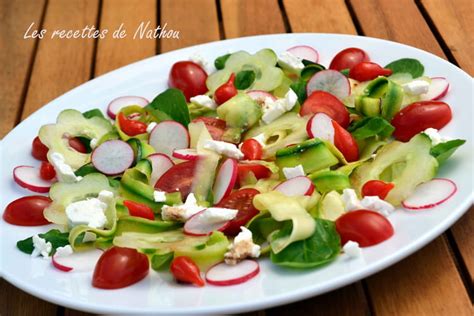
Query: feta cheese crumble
point(205, 101)
point(350, 199)
point(224, 148)
point(273, 109)
point(181, 212)
point(200, 60)
point(378, 205)
point(63, 251)
point(435, 137)
point(260, 138)
point(150, 127)
point(352, 249)
point(89, 237)
point(90, 212)
point(242, 247)
point(293, 172)
point(93, 143)
point(416, 87)
point(214, 215)
point(64, 172)
point(159, 196)
point(291, 61)
point(41, 247)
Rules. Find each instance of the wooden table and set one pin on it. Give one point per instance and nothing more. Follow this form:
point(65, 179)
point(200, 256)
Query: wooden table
point(437, 280)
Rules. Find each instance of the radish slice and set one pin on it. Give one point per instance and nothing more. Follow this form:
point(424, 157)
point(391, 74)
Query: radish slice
point(29, 178)
point(168, 136)
point(430, 194)
point(331, 81)
point(82, 261)
point(438, 88)
point(117, 104)
point(223, 274)
point(304, 52)
point(160, 163)
point(320, 126)
point(225, 180)
point(186, 154)
point(113, 157)
point(259, 95)
point(202, 223)
point(297, 186)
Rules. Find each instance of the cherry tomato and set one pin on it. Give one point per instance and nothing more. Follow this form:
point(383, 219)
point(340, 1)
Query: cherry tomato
point(77, 145)
point(139, 209)
point(226, 91)
point(47, 171)
point(377, 188)
point(419, 116)
point(185, 270)
point(348, 58)
point(39, 150)
point(178, 178)
point(131, 127)
point(240, 200)
point(120, 267)
point(366, 227)
point(215, 126)
point(345, 142)
point(27, 211)
point(252, 149)
point(324, 102)
point(259, 171)
point(366, 70)
point(188, 77)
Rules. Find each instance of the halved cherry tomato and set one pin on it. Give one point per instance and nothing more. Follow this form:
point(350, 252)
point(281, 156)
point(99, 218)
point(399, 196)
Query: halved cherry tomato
point(377, 188)
point(225, 91)
point(39, 150)
point(348, 58)
point(178, 178)
point(77, 145)
point(27, 211)
point(47, 171)
point(252, 149)
point(345, 142)
point(240, 200)
point(139, 209)
point(131, 127)
point(367, 70)
point(366, 227)
point(185, 270)
point(419, 116)
point(324, 102)
point(188, 77)
point(120, 267)
point(215, 126)
point(259, 171)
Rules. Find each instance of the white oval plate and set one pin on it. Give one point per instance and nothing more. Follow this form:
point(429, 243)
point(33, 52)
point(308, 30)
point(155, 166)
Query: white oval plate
point(157, 294)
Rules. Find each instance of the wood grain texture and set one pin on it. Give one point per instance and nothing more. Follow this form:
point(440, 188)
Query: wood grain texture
point(463, 235)
point(16, 56)
point(322, 16)
point(251, 17)
point(454, 20)
point(113, 53)
point(62, 64)
point(196, 20)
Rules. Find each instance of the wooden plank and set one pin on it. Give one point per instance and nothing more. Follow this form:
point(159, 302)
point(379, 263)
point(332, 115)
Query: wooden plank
point(454, 20)
point(462, 232)
point(196, 20)
point(61, 63)
point(16, 56)
point(244, 18)
point(322, 16)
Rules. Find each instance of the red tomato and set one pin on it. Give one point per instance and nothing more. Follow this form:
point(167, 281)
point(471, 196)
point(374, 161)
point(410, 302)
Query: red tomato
point(120, 267)
point(345, 142)
point(252, 149)
point(226, 91)
point(366, 70)
point(47, 171)
point(77, 145)
point(215, 126)
point(131, 127)
point(377, 188)
point(419, 116)
point(240, 200)
point(366, 227)
point(324, 102)
point(185, 270)
point(139, 209)
point(27, 211)
point(258, 170)
point(348, 58)
point(39, 150)
point(188, 77)
point(178, 178)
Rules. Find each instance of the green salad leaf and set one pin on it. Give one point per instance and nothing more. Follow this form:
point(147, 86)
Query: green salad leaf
point(444, 150)
point(299, 87)
point(161, 262)
point(371, 126)
point(170, 104)
point(219, 63)
point(93, 113)
point(244, 79)
point(407, 65)
point(54, 236)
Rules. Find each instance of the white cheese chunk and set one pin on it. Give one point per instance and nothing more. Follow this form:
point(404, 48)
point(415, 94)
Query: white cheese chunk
point(41, 247)
point(416, 87)
point(352, 249)
point(63, 251)
point(350, 199)
point(273, 109)
point(293, 172)
point(93, 143)
point(205, 101)
point(374, 203)
point(181, 212)
point(213, 215)
point(150, 127)
point(200, 60)
point(159, 196)
point(224, 148)
point(291, 98)
point(242, 247)
point(260, 138)
point(89, 237)
point(291, 61)
point(64, 172)
point(435, 137)
point(88, 212)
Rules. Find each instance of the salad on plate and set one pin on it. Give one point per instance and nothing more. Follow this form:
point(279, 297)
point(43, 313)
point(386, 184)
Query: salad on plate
point(265, 156)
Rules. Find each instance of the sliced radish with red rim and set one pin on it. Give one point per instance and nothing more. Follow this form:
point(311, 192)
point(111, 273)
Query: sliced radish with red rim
point(305, 52)
point(186, 154)
point(331, 81)
point(113, 157)
point(320, 126)
point(225, 180)
point(438, 88)
point(297, 186)
point(259, 95)
point(430, 194)
point(160, 163)
point(168, 136)
point(82, 261)
point(28, 177)
point(201, 224)
point(117, 104)
point(223, 274)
